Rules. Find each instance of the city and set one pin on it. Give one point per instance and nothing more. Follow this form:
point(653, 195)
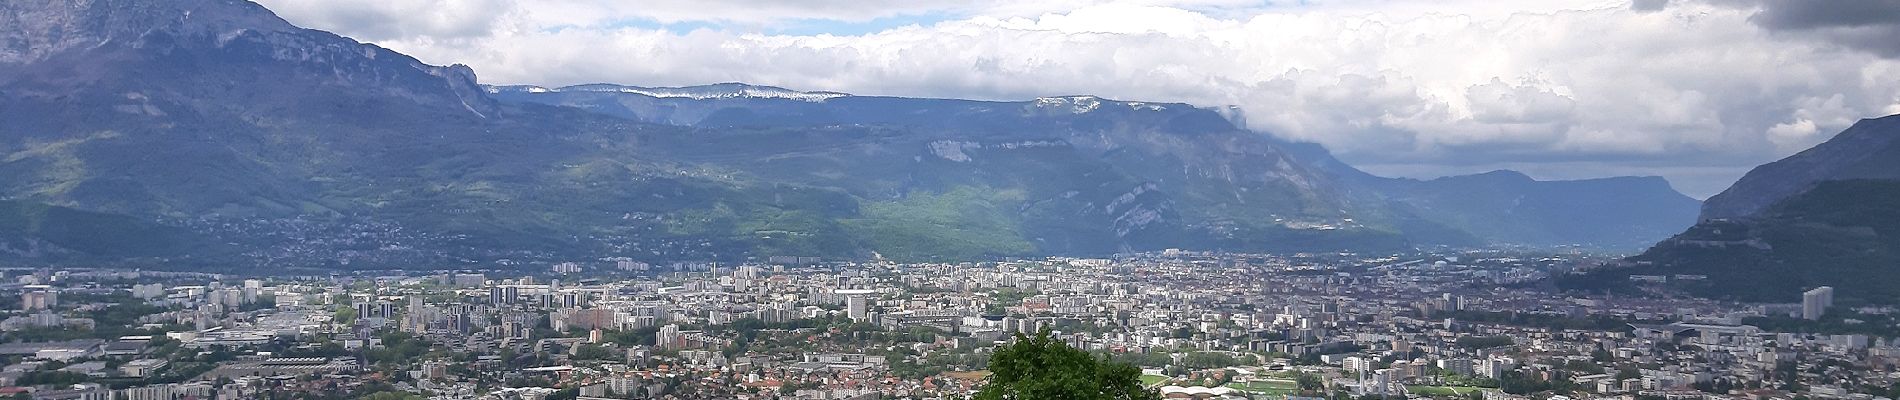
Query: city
point(949, 199)
point(1199, 325)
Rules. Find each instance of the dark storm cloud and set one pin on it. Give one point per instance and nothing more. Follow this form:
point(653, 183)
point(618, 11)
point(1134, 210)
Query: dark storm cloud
point(1813, 14)
point(1870, 25)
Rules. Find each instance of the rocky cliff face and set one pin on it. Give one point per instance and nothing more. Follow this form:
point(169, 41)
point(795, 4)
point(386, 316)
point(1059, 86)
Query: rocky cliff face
point(58, 47)
point(40, 29)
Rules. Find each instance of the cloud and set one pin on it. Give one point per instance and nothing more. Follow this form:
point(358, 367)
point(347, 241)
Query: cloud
point(1649, 5)
point(1870, 25)
point(385, 20)
point(1805, 14)
point(1594, 86)
point(450, 19)
point(1795, 132)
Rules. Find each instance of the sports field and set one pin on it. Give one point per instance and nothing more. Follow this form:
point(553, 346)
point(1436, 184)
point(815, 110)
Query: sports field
point(1268, 386)
point(1442, 391)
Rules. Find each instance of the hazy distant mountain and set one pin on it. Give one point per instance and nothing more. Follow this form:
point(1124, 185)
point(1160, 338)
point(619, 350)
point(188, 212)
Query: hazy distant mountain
point(302, 148)
point(1823, 217)
point(1624, 213)
point(1065, 175)
point(1501, 207)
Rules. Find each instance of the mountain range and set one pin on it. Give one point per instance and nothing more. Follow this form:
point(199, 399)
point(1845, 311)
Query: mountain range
point(213, 133)
point(1821, 217)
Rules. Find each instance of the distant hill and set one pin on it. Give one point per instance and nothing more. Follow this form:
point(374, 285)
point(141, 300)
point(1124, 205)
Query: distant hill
point(1625, 213)
point(1822, 217)
point(302, 148)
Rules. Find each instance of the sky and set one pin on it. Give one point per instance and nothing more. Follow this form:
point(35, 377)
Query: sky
point(1696, 91)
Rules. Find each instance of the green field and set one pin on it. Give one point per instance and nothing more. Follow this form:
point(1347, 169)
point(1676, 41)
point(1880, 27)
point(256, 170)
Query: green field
point(1267, 387)
point(1151, 380)
point(1438, 391)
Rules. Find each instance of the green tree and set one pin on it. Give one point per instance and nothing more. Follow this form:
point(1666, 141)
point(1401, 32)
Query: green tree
point(1309, 382)
point(1209, 360)
point(344, 316)
point(1041, 367)
point(55, 378)
point(565, 394)
point(596, 352)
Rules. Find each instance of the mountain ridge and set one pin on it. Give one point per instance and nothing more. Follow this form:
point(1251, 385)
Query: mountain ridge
point(1820, 217)
point(310, 149)
point(1864, 150)
point(1348, 182)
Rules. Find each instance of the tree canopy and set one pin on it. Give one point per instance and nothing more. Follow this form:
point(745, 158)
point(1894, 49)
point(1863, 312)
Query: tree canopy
point(1042, 367)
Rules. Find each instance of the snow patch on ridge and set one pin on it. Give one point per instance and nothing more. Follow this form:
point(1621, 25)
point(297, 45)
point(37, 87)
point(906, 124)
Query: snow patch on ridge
point(704, 92)
point(1085, 104)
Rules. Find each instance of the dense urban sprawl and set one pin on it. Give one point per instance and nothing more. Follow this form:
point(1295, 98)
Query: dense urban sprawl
point(1466, 325)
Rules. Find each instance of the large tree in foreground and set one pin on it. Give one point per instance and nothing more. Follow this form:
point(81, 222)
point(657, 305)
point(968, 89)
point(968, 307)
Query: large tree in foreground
point(1041, 367)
